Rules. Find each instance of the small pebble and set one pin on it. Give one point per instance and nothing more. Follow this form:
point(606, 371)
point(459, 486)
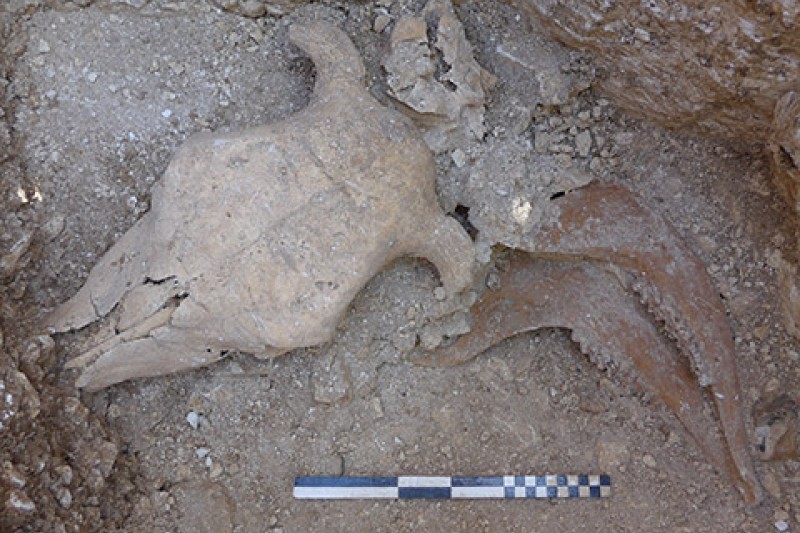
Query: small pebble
point(439, 293)
point(772, 486)
point(20, 502)
point(483, 252)
point(202, 452)
point(642, 35)
point(381, 22)
point(12, 476)
point(54, 227)
point(64, 474)
point(430, 338)
point(493, 281)
point(541, 142)
point(194, 419)
point(377, 407)
point(253, 8)
point(404, 342)
point(459, 157)
point(560, 148)
point(674, 439)
point(583, 142)
point(649, 461)
point(64, 497)
point(781, 525)
point(469, 299)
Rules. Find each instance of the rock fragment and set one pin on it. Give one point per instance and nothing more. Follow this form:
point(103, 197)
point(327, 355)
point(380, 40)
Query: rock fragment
point(436, 78)
point(449, 327)
point(535, 62)
point(583, 143)
point(18, 501)
point(777, 421)
point(381, 22)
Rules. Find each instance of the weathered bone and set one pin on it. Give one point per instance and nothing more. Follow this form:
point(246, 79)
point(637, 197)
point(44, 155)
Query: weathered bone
point(609, 323)
point(605, 224)
point(258, 240)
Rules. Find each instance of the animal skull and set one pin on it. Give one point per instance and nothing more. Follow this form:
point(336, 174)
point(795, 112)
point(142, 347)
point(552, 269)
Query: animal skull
point(258, 240)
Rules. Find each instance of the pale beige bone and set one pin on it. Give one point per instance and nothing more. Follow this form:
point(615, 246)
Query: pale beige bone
point(268, 234)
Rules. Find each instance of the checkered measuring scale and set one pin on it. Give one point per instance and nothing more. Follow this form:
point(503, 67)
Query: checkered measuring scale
point(453, 487)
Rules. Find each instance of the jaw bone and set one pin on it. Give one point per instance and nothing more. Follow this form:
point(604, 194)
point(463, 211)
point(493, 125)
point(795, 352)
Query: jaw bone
point(608, 270)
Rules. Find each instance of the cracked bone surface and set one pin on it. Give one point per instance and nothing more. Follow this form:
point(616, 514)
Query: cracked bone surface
point(610, 270)
point(258, 240)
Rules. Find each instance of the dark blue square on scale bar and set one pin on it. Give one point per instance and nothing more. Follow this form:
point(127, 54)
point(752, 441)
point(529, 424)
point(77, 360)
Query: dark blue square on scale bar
point(408, 493)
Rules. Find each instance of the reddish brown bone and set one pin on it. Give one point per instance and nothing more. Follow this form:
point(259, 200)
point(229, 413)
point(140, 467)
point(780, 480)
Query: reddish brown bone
point(609, 323)
point(608, 224)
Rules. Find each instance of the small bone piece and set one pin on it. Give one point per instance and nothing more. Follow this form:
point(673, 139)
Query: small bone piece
point(258, 240)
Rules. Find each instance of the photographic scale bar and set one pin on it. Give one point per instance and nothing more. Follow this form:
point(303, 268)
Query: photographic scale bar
point(452, 487)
